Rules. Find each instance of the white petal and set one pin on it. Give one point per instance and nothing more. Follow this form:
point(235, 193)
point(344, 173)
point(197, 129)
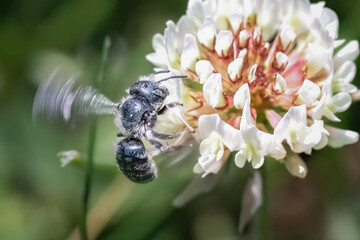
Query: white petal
point(235, 21)
point(198, 169)
point(340, 102)
point(317, 130)
point(330, 115)
point(318, 59)
point(228, 134)
point(243, 38)
point(332, 29)
point(220, 153)
point(235, 68)
point(287, 36)
point(223, 43)
point(308, 93)
point(190, 53)
point(267, 17)
point(345, 87)
point(257, 160)
point(346, 72)
point(213, 90)
point(184, 26)
point(343, 76)
point(242, 53)
point(159, 57)
point(295, 116)
point(297, 15)
point(207, 33)
point(271, 145)
point(281, 60)
point(246, 119)
point(204, 69)
point(170, 39)
point(209, 164)
point(317, 9)
point(280, 84)
point(195, 12)
point(267, 46)
point(318, 111)
point(250, 138)
point(323, 142)
point(348, 53)
point(248, 7)
point(340, 137)
point(241, 95)
point(330, 22)
point(252, 73)
point(257, 34)
point(338, 43)
point(240, 158)
point(308, 137)
point(211, 144)
point(296, 166)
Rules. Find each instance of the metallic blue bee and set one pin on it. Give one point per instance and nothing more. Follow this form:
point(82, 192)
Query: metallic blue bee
point(138, 114)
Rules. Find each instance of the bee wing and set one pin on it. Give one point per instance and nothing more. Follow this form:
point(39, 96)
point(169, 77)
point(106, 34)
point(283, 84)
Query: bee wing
point(197, 187)
point(60, 97)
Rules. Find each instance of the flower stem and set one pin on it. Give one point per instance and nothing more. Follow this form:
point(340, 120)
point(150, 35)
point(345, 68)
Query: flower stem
point(91, 143)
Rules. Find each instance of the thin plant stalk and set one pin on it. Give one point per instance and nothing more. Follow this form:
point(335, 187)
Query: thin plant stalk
point(105, 208)
point(91, 143)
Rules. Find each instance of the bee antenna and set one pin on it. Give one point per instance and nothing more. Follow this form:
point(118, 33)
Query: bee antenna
point(172, 77)
point(161, 72)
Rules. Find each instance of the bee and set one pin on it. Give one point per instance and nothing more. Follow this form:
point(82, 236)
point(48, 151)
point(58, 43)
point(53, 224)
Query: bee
point(136, 115)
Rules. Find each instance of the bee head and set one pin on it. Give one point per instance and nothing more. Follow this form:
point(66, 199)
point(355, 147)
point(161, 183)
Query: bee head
point(152, 91)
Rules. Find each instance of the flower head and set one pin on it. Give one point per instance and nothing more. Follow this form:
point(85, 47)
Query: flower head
point(262, 75)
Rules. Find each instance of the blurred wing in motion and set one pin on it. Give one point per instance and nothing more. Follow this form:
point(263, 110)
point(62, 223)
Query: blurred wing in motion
point(197, 187)
point(59, 97)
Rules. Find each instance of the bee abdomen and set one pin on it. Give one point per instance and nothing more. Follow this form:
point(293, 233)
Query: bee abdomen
point(134, 162)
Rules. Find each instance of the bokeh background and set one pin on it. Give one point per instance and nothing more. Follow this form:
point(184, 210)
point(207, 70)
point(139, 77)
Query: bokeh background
point(41, 200)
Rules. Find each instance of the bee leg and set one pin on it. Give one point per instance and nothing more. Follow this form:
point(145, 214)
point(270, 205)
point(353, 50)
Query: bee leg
point(162, 148)
point(151, 134)
point(166, 107)
point(164, 136)
point(161, 72)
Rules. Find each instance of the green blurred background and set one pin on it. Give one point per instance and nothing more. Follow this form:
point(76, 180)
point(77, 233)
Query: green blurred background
point(41, 200)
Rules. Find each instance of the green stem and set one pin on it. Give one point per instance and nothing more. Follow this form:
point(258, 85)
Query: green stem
point(91, 143)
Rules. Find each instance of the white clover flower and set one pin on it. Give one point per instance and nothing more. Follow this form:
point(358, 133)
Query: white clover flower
point(328, 105)
point(262, 74)
point(254, 144)
point(293, 127)
point(215, 135)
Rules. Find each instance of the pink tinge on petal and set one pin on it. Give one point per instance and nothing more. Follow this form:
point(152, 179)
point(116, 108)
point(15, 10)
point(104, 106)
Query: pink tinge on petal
point(273, 118)
point(253, 113)
point(286, 100)
point(294, 73)
point(235, 122)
